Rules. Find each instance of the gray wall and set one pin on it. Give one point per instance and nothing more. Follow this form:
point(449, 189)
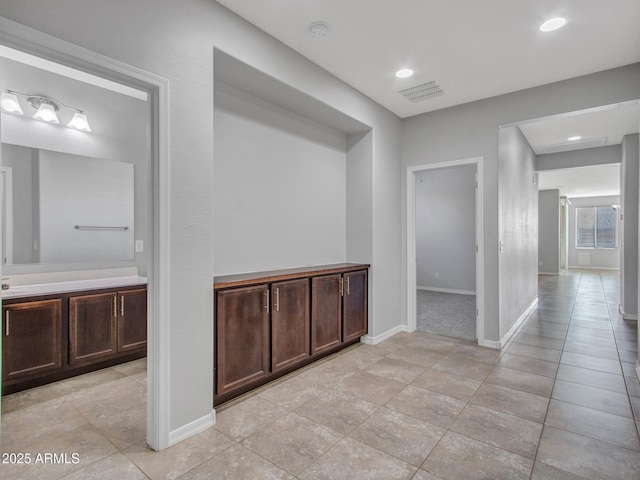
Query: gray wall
point(517, 226)
point(549, 231)
point(280, 198)
point(600, 257)
point(470, 130)
point(176, 41)
point(579, 158)
point(445, 228)
point(629, 171)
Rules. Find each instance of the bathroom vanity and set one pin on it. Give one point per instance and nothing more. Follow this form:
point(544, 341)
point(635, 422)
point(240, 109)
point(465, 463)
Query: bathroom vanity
point(271, 323)
point(57, 330)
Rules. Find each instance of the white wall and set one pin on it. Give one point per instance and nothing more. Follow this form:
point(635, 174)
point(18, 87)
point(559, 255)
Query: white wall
point(445, 228)
point(279, 197)
point(471, 130)
point(629, 197)
point(76, 190)
point(517, 226)
point(549, 231)
point(600, 257)
point(176, 40)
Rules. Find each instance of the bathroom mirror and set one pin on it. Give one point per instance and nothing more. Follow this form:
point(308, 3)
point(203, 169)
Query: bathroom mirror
point(70, 196)
point(64, 208)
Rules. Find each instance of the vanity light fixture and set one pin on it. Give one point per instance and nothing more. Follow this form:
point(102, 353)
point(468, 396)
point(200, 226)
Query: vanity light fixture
point(404, 73)
point(553, 24)
point(46, 109)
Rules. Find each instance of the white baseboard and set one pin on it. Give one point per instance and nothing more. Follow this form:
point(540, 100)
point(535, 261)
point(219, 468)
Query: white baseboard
point(190, 429)
point(369, 340)
point(627, 316)
point(548, 273)
point(505, 338)
point(593, 268)
point(490, 344)
point(447, 290)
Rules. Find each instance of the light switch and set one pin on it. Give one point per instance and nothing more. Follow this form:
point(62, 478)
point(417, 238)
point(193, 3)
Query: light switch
point(139, 246)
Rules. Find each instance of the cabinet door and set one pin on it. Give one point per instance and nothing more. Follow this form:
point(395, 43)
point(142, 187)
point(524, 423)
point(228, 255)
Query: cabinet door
point(132, 320)
point(354, 319)
point(326, 313)
point(289, 323)
point(31, 338)
point(92, 328)
point(242, 331)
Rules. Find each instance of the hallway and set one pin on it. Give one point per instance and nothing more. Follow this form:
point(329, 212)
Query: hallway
point(556, 403)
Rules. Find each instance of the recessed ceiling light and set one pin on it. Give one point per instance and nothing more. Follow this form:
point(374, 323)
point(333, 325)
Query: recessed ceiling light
point(404, 73)
point(574, 138)
point(553, 24)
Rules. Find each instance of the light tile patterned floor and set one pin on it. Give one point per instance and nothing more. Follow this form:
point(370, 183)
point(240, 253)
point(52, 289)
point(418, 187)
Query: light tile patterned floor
point(557, 402)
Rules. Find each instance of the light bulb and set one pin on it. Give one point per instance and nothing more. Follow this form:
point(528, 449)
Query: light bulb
point(47, 113)
point(404, 73)
point(10, 104)
point(553, 24)
point(79, 122)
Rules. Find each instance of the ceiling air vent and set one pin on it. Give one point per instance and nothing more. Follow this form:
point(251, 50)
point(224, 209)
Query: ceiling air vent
point(422, 92)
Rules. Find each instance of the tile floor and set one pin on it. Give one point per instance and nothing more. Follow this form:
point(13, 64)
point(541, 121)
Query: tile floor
point(557, 402)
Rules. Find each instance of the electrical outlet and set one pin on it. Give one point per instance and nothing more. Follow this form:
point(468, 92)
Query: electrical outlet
point(139, 246)
point(437, 275)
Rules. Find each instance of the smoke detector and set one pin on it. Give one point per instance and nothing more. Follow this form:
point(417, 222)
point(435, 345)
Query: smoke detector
point(319, 29)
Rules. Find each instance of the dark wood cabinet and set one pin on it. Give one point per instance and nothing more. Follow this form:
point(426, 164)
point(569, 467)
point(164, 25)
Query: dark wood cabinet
point(132, 320)
point(354, 305)
point(32, 339)
point(326, 313)
point(93, 330)
point(289, 323)
point(242, 334)
point(270, 323)
point(52, 337)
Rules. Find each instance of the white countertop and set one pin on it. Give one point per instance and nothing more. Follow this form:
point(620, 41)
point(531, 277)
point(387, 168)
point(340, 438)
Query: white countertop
point(71, 286)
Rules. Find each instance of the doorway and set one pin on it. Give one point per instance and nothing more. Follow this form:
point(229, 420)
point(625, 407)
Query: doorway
point(441, 296)
point(52, 50)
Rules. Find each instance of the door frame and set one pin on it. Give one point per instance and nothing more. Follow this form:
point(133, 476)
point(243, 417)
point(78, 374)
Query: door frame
point(28, 40)
point(411, 241)
point(6, 213)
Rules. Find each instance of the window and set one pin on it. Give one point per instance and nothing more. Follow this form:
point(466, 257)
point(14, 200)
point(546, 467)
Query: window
point(596, 227)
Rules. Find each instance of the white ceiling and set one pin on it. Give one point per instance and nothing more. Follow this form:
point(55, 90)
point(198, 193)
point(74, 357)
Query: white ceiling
point(472, 49)
point(595, 181)
point(607, 124)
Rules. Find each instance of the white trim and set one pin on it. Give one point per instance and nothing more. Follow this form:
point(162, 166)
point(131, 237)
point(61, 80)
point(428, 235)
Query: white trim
point(625, 315)
point(638, 371)
point(192, 428)
point(548, 273)
point(369, 340)
point(7, 208)
point(26, 39)
point(411, 241)
point(447, 290)
point(505, 338)
point(576, 267)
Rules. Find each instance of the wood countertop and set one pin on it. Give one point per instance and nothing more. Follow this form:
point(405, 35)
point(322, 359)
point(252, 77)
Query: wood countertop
point(252, 278)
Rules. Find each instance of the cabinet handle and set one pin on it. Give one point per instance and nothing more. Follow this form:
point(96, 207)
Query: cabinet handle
point(6, 322)
point(115, 306)
point(266, 303)
point(277, 299)
point(122, 305)
point(347, 285)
